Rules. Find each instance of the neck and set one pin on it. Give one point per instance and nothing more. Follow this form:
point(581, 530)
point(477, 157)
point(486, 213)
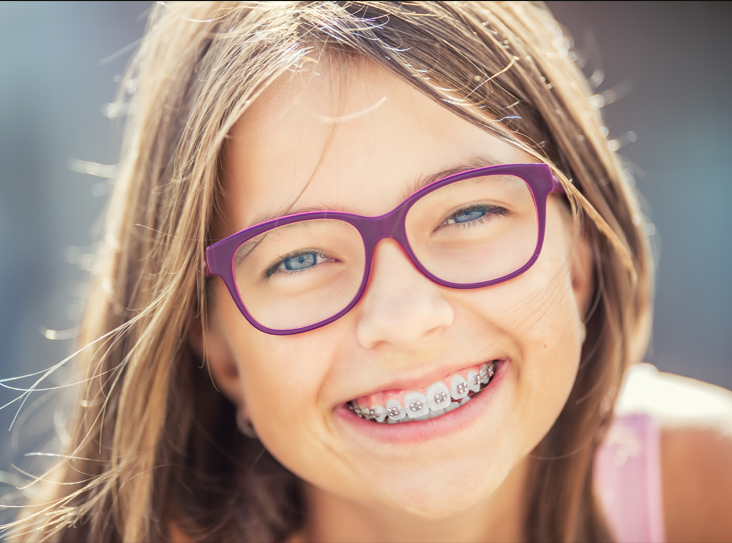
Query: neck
point(499, 517)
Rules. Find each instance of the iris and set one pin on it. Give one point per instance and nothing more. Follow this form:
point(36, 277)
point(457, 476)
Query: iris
point(300, 262)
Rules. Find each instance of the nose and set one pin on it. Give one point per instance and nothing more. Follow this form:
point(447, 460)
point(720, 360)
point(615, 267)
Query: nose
point(400, 306)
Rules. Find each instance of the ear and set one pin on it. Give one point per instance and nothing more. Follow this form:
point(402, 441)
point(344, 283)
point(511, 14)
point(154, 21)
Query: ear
point(210, 345)
point(582, 271)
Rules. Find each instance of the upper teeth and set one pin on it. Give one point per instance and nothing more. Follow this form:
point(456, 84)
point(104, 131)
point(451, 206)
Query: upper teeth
point(459, 387)
point(395, 411)
point(438, 399)
point(439, 396)
point(417, 404)
point(377, 413)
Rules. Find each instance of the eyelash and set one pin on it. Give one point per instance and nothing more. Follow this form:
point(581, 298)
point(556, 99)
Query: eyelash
point(274, 268)
point(490, 211)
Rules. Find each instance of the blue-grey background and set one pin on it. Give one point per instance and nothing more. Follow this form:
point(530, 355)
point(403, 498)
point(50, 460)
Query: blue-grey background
point(58, 62)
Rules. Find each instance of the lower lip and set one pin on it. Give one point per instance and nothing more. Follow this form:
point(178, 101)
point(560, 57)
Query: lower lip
point(424, 430)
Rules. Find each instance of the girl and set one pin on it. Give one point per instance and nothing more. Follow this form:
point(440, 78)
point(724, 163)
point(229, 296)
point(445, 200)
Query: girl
point(371, 273)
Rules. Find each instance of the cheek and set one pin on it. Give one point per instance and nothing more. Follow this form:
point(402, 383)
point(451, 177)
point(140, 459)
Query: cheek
point(549, 341)
point(536, 318)
point(280, 377)
point(536, 311)
point(285, 382)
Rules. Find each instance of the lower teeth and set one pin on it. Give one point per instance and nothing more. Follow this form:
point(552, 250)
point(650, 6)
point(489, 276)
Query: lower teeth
point(365, 413)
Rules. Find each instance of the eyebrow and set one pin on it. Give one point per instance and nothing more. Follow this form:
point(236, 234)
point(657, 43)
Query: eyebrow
point(471, 163)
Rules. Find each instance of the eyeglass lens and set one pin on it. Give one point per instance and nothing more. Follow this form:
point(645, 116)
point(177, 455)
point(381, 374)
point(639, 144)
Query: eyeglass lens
point(475, 230)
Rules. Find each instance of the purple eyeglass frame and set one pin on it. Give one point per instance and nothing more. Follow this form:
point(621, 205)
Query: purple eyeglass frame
point(220, 255)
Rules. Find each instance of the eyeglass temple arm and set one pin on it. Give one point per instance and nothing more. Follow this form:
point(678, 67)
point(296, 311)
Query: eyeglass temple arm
point(558, 185)
point(206, 270)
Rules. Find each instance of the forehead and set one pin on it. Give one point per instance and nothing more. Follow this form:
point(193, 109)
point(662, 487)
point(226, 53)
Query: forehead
point(350, 138)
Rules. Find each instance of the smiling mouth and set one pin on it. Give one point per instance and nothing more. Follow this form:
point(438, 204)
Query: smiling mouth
point(438, 399)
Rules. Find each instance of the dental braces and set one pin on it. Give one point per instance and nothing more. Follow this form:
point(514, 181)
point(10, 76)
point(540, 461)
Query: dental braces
point(392, 411)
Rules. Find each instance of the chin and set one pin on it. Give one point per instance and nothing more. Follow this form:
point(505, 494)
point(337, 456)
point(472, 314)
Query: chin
point(433, 497)
point(427, 508)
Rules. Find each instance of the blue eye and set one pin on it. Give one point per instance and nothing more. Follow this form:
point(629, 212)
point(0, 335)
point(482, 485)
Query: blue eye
point(300, 261)
point(296, 262)
point(475, 214)
point(468, 215)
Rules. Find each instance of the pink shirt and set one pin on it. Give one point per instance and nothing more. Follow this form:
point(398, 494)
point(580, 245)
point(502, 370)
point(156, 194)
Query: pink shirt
point(628, 478)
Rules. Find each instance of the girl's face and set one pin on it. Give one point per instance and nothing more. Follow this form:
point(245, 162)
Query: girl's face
point(356, 140)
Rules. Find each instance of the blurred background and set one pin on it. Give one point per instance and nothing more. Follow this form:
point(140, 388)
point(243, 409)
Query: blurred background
point(662, 69)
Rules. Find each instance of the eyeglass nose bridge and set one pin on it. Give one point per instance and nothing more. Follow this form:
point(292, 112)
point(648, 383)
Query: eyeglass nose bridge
point(388, 226)
point(391, 225)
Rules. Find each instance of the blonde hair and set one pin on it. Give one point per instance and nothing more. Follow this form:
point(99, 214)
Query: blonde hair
point(154, 444)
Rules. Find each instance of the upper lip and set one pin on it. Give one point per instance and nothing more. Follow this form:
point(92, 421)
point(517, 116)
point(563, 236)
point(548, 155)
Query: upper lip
point(424, 379)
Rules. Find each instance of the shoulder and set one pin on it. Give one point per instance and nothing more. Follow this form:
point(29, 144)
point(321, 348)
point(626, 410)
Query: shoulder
point(695, 420)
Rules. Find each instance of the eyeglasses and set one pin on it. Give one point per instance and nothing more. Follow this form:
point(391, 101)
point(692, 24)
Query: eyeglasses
point(469, 230)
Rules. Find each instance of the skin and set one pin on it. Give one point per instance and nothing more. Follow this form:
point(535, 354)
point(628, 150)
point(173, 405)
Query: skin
point(469, 486)
point(696, 452)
